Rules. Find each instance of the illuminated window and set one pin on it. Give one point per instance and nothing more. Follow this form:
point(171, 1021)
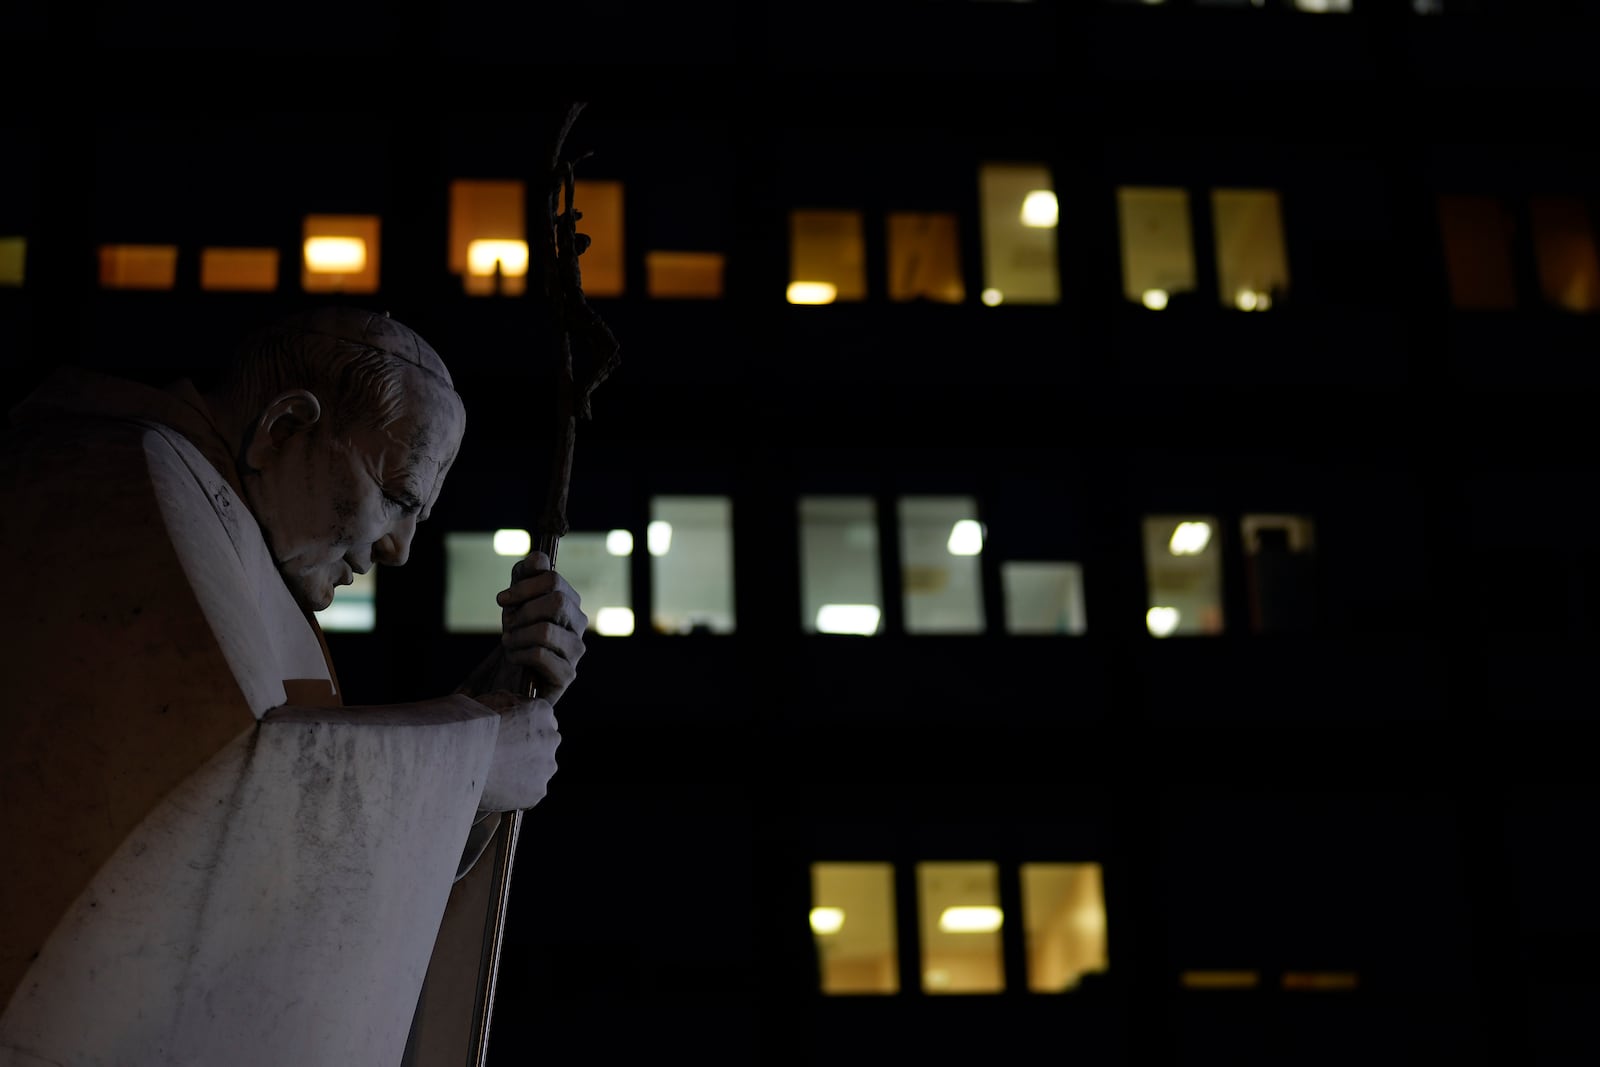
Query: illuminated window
point(853, 923)
point(1279, 572)
point(13, 255)
point(247, 270)
point(478, 566)
point(1339, 7)
point(1563, 241)
point(1043, 598)
point(1215, 980)
point(690, 540)
point(138, 266)
point(1183, 575)
point(1477, 234)
point(1018, 212)
point(488, 245)
point(827, 257)
point(840, 588)
point(601, 266)
point(1064, 922)
point(1252, 266)
point(684, 275)
point(354, 609)
point(925, 258)
point(1157, 245)
point(940, 540)
point(340, 254)
point(1321, 981)
point(959, 921)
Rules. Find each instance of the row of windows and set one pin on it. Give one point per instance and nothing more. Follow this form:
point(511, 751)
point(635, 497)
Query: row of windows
point(1481, 240)
point(690, 543)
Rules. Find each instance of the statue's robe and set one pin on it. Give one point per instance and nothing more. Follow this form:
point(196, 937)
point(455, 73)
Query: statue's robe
point(208, 859)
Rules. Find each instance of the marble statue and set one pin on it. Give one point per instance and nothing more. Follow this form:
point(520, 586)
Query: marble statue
point(209, 857)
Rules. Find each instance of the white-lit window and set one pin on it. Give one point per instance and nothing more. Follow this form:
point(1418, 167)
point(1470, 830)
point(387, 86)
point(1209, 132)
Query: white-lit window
point(476, 570)
point(827, 257)
point(840, 588)
point(690, 541)
point(1064, 923)
point(959, 920)
point(1183, 575)
point(1252, 263)
point(1019, 214)
point(940, 541)
point(853, 924)
point(1157, 245)
point(1043, 597)
point(354, 606)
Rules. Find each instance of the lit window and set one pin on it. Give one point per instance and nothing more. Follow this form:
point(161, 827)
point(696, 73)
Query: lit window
point(925, 258)
point(13, 255)
point(840, 588)
point(959, 922)
point(1252, 266)
point(853, 923)
point(340, 254)
point(1157, 245)
point(1215, 980)
point(940, 540)
point(1339, 7)
point(684, 275)
point(1563, 241)
point(1476, 232)
point(1279, 572)
point(1321, 981)
point(353, 609)
point(1064, 922)
point(475, 571)
point(1017, 210)
point(138, 266)
point(601, 266)
point(244, 270)
point(690, 540)
point(1043, 598)
point(1183, 575)
point(827, 257)
point(488, 236)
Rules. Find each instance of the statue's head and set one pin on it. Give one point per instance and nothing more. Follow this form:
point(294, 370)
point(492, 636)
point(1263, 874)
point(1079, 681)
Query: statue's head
point(349, 423)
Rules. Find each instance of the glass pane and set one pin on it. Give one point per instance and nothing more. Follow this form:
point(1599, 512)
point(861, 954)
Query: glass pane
point(252, 270)
point(354, 608)
point(1563, 240)
point(1019, 215)
point(959, 923)
point(827, 257)
point(475, 572)
point(1157, 245)
point(840, 588)
point(684, 275)
point(600, 204)
point(138, 266)
point(940, 539)
point(853, 921)
point(488, 237)
point(925, 258)
point(1280, 574)
point(13, 254)
point(1064, 920)
point(1476, 232)
point(1252, 265)
point(690, 540)
point(1043, 598)
point(1183, 575)
point(340, 254)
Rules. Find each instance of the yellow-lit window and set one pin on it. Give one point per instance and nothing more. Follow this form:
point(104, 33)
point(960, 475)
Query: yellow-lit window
point(1476, 232)
point(138, 266)
point(13, 255)
point(827, 257)
point(1064, 921)
point(1220, 980)
point(1252, 264)
point(1563, 241)
point(1321, 981)
point(1279, 572)
point(488, 246)
point(478, 566)
point(839, 568)
point(690, 540)
point(1183, 575)
point(339, 254)
point(354, 607)
point(853, 923)
point(925, 258)
point(1157, 245)
point(1019, 213)
point(684, 275)
point(940, 540)
point(246, 270)
point(959, 922)
point(600, 204)
point(1043, 597)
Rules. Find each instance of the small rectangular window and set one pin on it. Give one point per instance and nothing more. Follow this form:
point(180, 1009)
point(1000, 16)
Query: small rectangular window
point(478, 566)
point(925, 257)
point(1064, 920)
point(340, 254)
point(1183, 575)
point(1563, 241)
point(239, 270)
point(839, 568)
point(1477, 233)
point(1280, 575)
point(827, 257)
point(690, 540)
point(138, 266)
point(488, 246)
point(1043, 598)
point(1157, 245)
point(940, 539)
point(354, 607)
point(13, 255)
point(853, 923)
point(684, 275)
point(602, 266)
point(1252, 264)
point(959, 921)
point(1019, 213)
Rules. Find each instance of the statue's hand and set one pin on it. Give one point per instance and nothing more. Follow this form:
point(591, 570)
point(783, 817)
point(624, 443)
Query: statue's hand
point(524, 753)
point(542, 627)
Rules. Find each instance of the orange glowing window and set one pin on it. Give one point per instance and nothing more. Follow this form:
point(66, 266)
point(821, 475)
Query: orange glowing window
point(1064, 924)
point(684, 275)
point(1477, 232)
point(600, 204)
point(340, 254)
point(827, 257)
point(488, 236)
point(13, 255)
point(138, 266)
point(1563, 241)
point(253, 270)
point(925, 258)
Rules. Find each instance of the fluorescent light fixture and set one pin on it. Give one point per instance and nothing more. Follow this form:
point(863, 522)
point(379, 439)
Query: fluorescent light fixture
point(848, 619)
point(992, 297)
point(512, 542)
point(335, 255)
point(970, 919)
point(1039, 209)
point(966, 538)
point(614, 622)
point(658, 537)
point(483, 254)
point(1189, 538)
point(812, 292)
point(619, 543)
point(1161, 620)
point(826, 920)
point(1154, 299)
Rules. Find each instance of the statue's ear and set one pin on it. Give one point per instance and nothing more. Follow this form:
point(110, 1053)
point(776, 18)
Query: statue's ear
point(288, 414)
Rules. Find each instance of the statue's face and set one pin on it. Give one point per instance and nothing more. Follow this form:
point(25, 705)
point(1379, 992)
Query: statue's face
point(331, 507)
